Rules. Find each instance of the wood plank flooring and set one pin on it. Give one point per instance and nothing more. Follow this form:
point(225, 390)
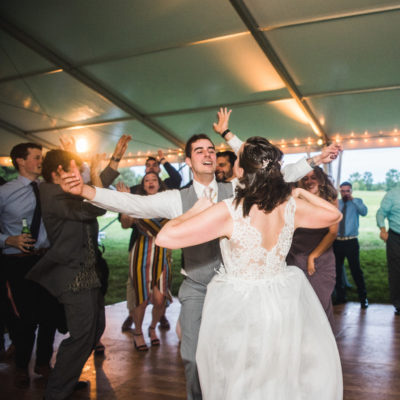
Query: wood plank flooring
point(368, 340)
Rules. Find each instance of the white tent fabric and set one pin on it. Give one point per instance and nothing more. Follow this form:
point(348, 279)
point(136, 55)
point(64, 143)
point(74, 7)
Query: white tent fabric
point(301, 73)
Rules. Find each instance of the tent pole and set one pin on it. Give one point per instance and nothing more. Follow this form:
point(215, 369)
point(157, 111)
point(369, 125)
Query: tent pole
point(339, 172)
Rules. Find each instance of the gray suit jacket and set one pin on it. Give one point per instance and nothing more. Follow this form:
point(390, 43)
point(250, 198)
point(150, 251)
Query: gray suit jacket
point(65, 217)
point(201, 261)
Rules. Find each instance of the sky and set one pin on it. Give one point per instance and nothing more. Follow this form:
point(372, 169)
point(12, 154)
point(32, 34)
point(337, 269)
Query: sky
point(377, 161)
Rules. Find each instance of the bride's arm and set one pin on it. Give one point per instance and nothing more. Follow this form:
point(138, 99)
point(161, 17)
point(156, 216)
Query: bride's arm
point(198, 225)
point(314, 212)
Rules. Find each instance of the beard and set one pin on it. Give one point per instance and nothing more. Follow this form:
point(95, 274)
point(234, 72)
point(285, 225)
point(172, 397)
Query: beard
point(223, 176)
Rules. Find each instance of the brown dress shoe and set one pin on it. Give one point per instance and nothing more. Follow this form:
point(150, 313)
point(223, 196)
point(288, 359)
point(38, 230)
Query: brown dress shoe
point(43, 370)
point(21, 378)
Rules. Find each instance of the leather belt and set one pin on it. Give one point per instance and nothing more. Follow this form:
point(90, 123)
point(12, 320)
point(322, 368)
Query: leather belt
point(346, 237)
point(35, 252)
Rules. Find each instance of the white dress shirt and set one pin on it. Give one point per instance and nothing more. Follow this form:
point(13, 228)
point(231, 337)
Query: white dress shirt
point(17, 201)
point(168, 204)
point(291, 172)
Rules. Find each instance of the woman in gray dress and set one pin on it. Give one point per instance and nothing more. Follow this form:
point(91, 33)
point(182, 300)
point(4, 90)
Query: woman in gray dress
point(312, 248)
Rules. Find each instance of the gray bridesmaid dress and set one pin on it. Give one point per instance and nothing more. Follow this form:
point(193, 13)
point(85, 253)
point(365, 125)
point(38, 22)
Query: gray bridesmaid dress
point(324, 279)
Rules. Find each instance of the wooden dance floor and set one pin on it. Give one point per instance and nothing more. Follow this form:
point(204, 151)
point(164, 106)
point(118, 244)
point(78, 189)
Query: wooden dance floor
point(369, 344)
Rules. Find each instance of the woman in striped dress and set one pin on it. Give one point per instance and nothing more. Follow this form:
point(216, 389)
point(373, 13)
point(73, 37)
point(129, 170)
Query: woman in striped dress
point(149, 268)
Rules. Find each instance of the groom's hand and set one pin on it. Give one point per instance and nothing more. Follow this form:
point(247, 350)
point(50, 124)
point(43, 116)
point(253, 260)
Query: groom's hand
point(71, 181)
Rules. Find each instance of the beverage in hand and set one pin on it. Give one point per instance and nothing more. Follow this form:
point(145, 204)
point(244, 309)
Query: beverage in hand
point(25, 229)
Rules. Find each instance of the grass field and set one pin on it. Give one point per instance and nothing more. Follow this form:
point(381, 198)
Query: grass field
point(373, 256)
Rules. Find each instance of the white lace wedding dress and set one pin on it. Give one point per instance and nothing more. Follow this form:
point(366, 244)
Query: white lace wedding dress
point(264, 334)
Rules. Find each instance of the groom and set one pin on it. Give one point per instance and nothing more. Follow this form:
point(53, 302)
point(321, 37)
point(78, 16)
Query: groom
point(200, 261)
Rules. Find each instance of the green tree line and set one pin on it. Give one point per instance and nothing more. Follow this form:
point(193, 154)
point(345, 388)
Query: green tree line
point(366, 181)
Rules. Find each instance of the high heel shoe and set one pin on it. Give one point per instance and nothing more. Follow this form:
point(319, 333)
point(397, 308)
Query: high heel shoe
point(156, 341)
point(142, 347)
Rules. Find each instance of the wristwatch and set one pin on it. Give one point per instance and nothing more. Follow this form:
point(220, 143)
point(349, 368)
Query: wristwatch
point(224, 133)
point(311, 162)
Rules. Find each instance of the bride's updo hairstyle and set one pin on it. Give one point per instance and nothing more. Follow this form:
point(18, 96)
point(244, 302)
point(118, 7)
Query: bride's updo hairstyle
point(262, 181)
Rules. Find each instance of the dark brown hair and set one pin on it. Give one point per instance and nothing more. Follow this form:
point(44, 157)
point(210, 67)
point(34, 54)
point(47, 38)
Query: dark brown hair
point(326, 190)
point(262, 181)
point(160, 182)
point(192, 139)
point(21, 150)
point(151, 158)
point(54, 158)
point(229, 154)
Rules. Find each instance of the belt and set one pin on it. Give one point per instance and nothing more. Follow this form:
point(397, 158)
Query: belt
point(35, 252)
point(341, 238)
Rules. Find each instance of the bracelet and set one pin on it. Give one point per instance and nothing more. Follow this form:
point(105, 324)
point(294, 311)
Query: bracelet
point(115, 159)
point(312, 163)
point(224, 133)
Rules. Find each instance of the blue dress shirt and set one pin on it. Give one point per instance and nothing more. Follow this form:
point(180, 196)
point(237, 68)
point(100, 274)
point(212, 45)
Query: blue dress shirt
point(17, 201)
point(354, 208)
point(390, 209)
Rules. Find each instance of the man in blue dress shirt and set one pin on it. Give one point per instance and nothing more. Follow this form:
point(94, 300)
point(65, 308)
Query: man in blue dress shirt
point(390, 210)
point(19, 199)
point(346, 244)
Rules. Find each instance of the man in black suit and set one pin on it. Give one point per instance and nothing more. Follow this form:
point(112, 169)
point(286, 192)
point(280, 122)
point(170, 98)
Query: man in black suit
point(68, 271)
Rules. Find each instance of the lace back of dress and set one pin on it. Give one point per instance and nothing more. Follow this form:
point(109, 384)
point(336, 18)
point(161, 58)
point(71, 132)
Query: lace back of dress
point(244, 255)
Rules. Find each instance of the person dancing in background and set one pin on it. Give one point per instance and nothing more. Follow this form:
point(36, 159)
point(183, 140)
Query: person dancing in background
point(174, 180)
point(263, 334)
point(149, 266)
point(312, 250)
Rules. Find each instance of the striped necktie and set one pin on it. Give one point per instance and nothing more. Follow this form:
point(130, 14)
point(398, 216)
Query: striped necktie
point(210, 194)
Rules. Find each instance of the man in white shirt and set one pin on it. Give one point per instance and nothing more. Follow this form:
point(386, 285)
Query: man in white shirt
point(200, 261)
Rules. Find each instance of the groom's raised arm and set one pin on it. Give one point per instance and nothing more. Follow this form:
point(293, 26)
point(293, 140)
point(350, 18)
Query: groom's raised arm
point(165, 204)
point(161, 205)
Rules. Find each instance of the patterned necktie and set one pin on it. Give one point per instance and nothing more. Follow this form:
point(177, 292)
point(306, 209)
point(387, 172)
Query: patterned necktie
point(210, 194)
point(342, 224)
point(37, 215)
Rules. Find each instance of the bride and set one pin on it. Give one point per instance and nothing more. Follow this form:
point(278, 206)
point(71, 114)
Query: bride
point(264, 334)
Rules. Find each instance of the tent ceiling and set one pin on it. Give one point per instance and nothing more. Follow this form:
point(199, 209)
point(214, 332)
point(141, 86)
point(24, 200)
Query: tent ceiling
point(294, 71)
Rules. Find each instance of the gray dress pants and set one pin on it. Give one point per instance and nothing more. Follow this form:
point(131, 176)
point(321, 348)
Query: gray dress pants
point(191, 296)
point(84, 311)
